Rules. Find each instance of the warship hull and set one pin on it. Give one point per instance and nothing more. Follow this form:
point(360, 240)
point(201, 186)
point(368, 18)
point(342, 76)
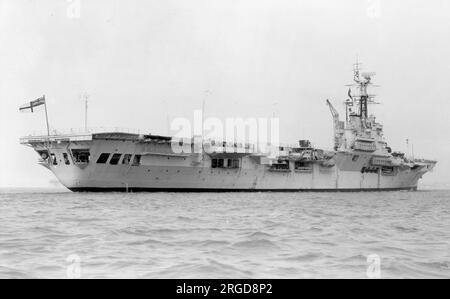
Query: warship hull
point(78, 164)
point(361, 159)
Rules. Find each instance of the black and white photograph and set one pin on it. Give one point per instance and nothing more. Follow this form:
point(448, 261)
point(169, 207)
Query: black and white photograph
point(224, 145)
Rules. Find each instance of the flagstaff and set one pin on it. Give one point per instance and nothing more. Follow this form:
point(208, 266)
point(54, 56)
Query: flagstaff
point(46, 116)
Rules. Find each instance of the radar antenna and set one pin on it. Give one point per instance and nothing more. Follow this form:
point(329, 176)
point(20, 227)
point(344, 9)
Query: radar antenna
point(360, 99)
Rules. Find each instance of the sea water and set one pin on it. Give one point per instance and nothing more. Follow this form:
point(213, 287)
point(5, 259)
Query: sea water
point(59, 234)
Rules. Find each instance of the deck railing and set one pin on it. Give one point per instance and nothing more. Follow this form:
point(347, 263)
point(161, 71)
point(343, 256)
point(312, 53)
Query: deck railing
point(83, 131)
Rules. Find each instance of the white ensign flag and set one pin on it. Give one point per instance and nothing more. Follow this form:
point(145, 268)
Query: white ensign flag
point(33, 105)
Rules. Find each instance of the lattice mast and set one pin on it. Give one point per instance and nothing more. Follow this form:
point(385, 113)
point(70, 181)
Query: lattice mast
point(357, 104)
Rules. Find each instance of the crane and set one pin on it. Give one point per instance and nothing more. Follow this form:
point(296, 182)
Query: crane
point(338, 126)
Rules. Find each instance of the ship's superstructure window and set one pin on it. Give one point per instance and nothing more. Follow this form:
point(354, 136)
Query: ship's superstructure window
point(299, 164)
point(214, 163)
point(81, 156)
point(136, 160)
point(235, 163)
point(280, 165)
point(230, 163)
point(53, 159)
point(220, 163)
point(66, 159)
point(302, 165)
point(43, 155)
point(115, 159)
point(103, 158)
point(370, 170)
point(388, 170)
point(126, 159)
point(225, 163)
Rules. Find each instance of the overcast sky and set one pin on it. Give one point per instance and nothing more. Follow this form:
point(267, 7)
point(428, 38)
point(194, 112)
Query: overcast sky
point(144, 61)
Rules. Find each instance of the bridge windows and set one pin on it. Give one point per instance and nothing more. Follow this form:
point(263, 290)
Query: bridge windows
point(103, 158)
point(66, 159)
point(115, 159)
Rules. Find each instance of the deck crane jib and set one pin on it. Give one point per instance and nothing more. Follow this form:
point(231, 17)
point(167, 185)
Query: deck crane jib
point(339, 127)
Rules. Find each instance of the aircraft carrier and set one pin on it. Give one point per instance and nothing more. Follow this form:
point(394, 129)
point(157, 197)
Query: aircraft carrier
point(361, 159)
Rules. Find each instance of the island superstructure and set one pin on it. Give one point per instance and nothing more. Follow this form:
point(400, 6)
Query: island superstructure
point(360, 160)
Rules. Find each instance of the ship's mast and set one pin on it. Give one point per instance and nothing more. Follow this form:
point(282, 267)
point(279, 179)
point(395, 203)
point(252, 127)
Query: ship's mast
point(86, 97)
point(362, 99)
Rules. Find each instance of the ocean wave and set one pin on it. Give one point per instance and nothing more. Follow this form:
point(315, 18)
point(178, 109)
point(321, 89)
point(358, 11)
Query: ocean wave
point(411, 269)
point(146, 242)
point(187, 219)
point(267, 235)
point(359, 258)
point(213, 243)
point(209, 268)
point(14, 273)
point(259, 235)
point(442, 265)
point(406, 229)
point(256, 244)
point(203, 244)
point(307, 257)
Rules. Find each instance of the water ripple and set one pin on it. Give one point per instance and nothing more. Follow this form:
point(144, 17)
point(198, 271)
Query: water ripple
point(258, 235)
